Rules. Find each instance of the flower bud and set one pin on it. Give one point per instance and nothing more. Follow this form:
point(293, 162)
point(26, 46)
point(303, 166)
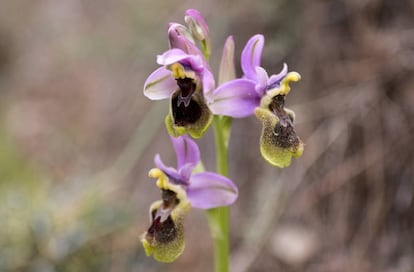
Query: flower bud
point(199, 29)
point(179, 37)
point(227, 70)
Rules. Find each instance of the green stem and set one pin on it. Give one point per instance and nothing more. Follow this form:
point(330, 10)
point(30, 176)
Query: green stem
point(219, 217)
point(221, 242)
point(221, 134)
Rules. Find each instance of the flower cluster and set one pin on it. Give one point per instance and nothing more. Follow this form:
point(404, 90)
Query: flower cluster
point(185, 78)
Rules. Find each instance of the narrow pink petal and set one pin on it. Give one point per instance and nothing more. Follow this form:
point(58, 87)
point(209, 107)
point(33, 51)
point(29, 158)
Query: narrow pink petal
point(171, 56)
point(177, 55)
point(169, 171)
point(208, 84)
point(186, 150)
point(251, 56)
point(262, 80)
point(276, 79)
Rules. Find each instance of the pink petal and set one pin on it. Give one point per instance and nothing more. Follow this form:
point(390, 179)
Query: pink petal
point(251, 55)
point(186, 150)
point(236, 98)
point(209, 190)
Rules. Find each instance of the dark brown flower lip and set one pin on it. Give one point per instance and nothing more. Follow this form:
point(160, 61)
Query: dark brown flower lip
point(184, 115)
point(186, 87)
point(163, 229)
point(284, 134)
point(277, 106)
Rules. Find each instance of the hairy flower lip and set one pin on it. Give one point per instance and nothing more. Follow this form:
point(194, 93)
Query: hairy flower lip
point(278, 144)
point(164, 239)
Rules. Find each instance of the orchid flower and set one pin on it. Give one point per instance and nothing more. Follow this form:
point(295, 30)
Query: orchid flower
point(184, 78)
point(182, 189)
point(257, 93)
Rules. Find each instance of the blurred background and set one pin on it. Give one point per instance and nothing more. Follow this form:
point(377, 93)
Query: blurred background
point(77, 136)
